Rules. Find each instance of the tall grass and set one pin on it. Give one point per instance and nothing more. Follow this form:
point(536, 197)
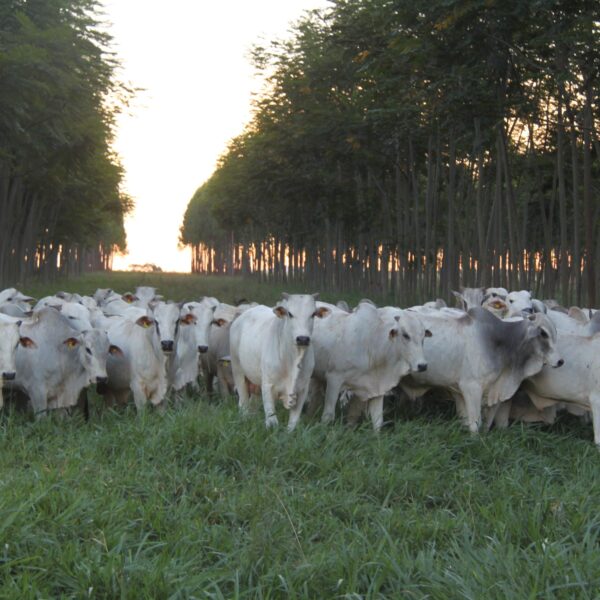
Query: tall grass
point(199, 502)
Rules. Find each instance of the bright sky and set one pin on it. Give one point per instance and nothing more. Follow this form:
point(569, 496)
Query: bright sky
point(192, 59)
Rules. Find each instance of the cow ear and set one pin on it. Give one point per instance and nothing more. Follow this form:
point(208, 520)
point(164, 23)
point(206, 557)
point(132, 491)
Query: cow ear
point(321, 312)
point(188, 319)
point(219, 322)
point(280, 311)
point(71, 342)
point(27, 342)
point(460, 298)
point(115, 350)
point(393, 333)
point(428, 333)
point(144, 322)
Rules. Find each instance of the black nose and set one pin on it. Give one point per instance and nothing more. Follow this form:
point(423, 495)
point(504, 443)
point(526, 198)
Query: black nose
point(422, 367)
point(303, 340)
point(101, 379)
point(167, 345)
point(560, 363)
point(8, 375)
point(203, 349)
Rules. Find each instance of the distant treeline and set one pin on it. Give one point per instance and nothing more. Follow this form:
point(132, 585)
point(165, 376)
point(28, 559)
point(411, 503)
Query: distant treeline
point(60, 205)
point(408, 147)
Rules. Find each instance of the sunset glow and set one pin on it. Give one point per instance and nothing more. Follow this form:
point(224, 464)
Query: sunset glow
point(192, 63)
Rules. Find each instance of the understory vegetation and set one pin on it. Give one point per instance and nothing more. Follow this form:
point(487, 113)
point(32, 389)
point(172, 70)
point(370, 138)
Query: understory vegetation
point(198, 502)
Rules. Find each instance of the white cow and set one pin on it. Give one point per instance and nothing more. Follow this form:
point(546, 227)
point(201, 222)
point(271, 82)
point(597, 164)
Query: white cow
point(10, 338)
point(577, 384)
point(481, 359)
point(271, 349)
point(365, 353)
point(57, 362)
point(138, 366)
point(216, 361)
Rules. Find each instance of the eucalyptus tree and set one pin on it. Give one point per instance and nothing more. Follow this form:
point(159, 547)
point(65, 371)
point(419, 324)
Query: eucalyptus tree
point(60, 202)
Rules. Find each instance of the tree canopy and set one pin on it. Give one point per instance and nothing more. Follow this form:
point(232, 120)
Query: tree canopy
point(412, 146)
point(61, 206)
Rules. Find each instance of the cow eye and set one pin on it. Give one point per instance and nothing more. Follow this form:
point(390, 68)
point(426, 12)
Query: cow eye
point(291, 316)
point(544, 334)
point(406, 336)
point(88, 351)
point(511, 301)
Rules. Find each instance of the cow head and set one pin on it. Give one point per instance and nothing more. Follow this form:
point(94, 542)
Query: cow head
point(95, 350)
point(200, 316)
point(519, 303)
point(540, 345)
point(166, 316)
point(298, 312)
point(407, 334)
point(9, 341)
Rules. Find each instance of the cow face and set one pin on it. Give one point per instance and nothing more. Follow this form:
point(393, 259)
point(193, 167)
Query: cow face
point(9, 341)
point(542, 335)
point(519, 303)
point(201, 318)
point(298, 311)
point(166, 317)
point(94, 353)
point(494, 301)
point(408, 335)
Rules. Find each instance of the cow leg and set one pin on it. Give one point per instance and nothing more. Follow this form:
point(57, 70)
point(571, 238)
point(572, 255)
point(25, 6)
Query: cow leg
point(489, 415)
point(139, 396)
point(314, 397)
point(472, 393)
point(269, 405)
point(296, 411)
point(224, 390)
point(595, 404)
point(83, 404)
point(502, 414)
point(332, 393)
point(243, 394)
point(376, 412)
point(356, 407)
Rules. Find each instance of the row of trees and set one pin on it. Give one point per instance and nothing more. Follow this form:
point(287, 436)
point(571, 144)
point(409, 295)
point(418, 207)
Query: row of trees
point(407, 147)
point(61, 208)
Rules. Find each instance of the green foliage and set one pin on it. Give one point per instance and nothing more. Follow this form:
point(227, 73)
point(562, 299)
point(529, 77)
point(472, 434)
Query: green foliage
point(394, 120)
point(59, 95)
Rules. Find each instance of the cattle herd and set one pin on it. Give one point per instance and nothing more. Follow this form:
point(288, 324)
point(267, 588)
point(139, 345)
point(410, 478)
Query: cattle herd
point(501, 356)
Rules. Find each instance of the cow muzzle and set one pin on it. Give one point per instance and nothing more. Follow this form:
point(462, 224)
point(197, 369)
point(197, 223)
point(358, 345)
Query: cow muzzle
point(421, 367)
point(302, 340)
point(8, 375)
point(203, 349)
point(101, 379)
point(167, 345)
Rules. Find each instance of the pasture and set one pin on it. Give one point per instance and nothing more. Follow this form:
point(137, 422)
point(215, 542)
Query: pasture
point(199, 502)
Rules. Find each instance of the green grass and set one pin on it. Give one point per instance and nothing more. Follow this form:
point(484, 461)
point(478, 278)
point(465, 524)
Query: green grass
point(201, 503)
point(181, 286)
